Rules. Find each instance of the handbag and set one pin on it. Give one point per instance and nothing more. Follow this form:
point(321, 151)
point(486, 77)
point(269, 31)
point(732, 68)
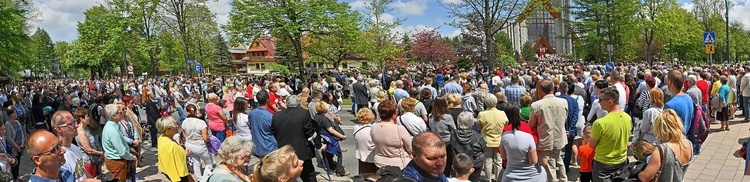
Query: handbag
point(717, 103)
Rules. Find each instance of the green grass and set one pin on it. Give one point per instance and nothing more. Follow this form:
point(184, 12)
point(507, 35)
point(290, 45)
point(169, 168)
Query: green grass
point(346, 101)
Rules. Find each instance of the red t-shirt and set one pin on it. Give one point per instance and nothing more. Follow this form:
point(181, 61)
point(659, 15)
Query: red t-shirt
point(703, 86)
point(272, 100)
point(524, 128)
point(586, 154)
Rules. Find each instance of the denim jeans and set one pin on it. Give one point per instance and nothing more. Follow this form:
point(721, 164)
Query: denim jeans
point(746, 107)
point(220, 135)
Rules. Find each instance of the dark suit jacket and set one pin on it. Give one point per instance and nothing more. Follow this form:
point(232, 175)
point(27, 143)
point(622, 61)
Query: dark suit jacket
point(292, 126)
point(360, 94)
point(152, 111)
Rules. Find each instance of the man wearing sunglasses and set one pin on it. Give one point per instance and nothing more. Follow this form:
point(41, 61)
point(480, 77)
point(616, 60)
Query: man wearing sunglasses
point(47, 153)
point(65, 128)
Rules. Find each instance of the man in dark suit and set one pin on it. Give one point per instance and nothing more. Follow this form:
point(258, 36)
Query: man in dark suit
point(360, 94)
point(294, 126)
point(152, 114)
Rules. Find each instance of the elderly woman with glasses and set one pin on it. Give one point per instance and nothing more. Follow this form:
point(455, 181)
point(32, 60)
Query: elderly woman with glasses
point(172, 157)
point(235, 154)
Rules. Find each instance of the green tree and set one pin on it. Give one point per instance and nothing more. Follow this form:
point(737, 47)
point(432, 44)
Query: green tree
point(528, 52)
point(288, 20)
point(608, 22)
point(43, 50)
point(14, 42)
point(339, 42)
point(504, 45)
point(223, 57)
point(175, 16)
point(379, 40)
point(487, 17)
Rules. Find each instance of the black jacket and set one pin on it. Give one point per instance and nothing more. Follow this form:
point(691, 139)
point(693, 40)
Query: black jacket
point(293, 126)
point(152, 111)
point(360, 94)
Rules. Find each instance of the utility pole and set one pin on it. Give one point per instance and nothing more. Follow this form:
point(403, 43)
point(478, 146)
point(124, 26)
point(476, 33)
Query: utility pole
point(726, 11)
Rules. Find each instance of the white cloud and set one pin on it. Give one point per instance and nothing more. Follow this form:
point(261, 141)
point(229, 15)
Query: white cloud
point(739, 11)
point(410, 30)
point(453, 1)
point(456, 32)
point(413, 7)
point(221, 8)
point(385, 17)
point(688, 6)
point(59, 18)
point(358, 4)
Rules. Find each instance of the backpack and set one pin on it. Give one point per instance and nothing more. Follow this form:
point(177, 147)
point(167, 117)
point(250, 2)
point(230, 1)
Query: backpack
point(700, 127)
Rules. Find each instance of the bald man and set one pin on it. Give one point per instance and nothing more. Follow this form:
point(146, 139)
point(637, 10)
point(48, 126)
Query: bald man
point(65, 127)
point(47, 153)
point(428, 158)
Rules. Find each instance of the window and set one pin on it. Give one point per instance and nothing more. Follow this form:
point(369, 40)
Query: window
point(257, 66)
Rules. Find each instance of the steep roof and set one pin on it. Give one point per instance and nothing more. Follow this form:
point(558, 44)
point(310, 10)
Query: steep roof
point(262, 44)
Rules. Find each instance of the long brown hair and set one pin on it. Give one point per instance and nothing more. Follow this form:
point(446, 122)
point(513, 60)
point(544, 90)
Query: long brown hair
point(439, 107)
point(240, 105)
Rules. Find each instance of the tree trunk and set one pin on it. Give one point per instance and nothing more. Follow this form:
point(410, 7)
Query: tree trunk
point(152, 60)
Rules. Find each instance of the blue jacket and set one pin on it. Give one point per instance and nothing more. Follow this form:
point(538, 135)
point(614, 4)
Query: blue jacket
point(412, 171)
point(572, 118)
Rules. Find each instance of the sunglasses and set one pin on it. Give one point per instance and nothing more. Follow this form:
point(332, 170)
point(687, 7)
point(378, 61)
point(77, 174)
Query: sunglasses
point(54, 150)
point(72, 125)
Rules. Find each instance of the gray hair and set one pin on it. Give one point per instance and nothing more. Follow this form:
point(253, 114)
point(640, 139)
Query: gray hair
point(465, 120)
point(231, 147)
point(292, 101)
point(490, 101)
point(110, 110)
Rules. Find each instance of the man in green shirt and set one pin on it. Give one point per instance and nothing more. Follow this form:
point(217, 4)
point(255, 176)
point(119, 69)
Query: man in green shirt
point(116, 150)
point(609, 137)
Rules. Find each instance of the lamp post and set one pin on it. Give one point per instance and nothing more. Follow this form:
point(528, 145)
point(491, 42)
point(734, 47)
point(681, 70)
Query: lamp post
point(726, 13)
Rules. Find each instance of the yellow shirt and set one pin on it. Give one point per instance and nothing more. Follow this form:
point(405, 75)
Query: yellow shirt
point(492, 122)
point(612, 131)
point(715, 88)
point(172, 159)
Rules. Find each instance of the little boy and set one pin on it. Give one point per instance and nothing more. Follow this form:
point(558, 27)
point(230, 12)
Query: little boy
point(586, 155)
point(463, 165)
point(643, 150)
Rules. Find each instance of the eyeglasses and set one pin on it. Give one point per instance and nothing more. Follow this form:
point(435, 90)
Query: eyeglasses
point(54, 150)
point(72, 125)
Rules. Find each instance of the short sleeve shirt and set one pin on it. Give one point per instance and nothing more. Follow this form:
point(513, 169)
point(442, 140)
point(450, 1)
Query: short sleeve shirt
point(612, 133)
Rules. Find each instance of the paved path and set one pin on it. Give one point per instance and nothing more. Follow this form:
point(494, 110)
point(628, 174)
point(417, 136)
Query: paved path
point(717, 162)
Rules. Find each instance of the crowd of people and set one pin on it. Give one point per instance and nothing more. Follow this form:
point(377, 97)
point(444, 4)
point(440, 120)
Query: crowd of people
point(528, 123)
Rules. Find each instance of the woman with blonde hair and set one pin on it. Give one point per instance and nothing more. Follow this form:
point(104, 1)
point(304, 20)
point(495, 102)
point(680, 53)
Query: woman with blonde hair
point(365, 146)
point(281, 165)
point(172, 157)
point(380, 96)
point(228, 93)
point(674, 146)
point(413, 123)
point(331, 133)
point(656, 103)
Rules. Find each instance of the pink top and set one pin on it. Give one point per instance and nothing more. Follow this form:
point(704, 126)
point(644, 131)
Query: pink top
point(215, 123)
point(230, 101)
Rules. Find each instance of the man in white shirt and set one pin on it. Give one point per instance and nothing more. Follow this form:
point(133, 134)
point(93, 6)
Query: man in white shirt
point(65, 127)
point(616, 80)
